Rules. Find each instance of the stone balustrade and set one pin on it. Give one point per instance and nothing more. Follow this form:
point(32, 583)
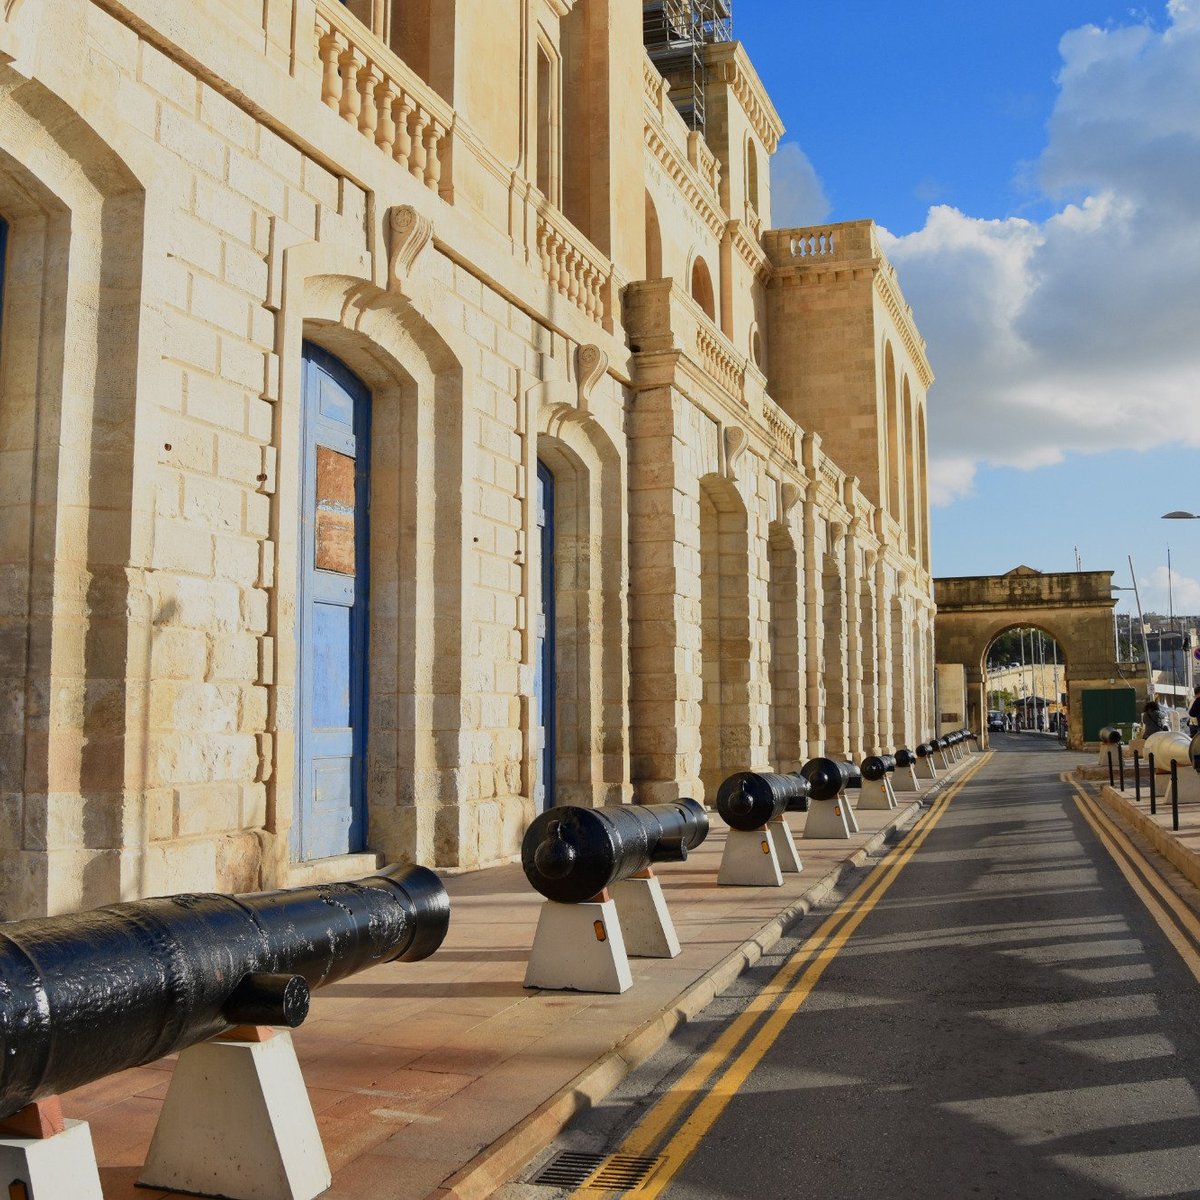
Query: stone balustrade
point(822, 243)
point(371, 88)
point(717, 357)
point(573, 266)
point(781, 428)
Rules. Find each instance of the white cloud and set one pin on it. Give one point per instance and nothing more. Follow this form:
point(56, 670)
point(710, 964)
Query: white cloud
point(1080, 332)
point(797, 195)
point(1161, 588)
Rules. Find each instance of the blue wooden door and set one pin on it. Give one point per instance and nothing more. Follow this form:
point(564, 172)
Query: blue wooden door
point(333, 611)
point(544, 665)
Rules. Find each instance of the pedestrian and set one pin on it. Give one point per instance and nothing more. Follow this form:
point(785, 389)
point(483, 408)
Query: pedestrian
point(1154, 718)
point(1193, 717)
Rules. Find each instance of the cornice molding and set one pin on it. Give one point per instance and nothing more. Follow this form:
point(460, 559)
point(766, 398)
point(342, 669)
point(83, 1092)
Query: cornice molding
point(731, 64)
point(685, 177)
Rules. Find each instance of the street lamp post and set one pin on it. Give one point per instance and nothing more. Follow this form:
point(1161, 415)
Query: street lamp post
point(1185, 642)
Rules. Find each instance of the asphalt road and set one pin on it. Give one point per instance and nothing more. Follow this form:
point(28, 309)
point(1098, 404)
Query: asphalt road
point(1008, 1020)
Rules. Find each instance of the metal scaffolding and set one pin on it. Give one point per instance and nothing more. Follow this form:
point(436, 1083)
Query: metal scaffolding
point(675, 33)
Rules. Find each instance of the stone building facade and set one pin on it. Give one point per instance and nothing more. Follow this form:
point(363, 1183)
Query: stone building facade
point(406, 420)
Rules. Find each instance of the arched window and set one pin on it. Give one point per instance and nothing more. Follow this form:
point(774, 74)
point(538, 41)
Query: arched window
point(752, 175)
point(702, 288)
point(910, 471)
point(891, 488)
point(654, 267)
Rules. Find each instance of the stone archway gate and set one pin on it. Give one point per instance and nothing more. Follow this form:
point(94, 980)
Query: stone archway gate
point(1073, 607)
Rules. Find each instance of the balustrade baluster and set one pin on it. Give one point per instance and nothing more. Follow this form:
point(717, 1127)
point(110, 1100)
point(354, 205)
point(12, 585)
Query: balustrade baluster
point(368, 115)
point(404, 111)
point(433, 164)
point(385, 99)
point(351, 100)
point(416, 164)
point(330, 51)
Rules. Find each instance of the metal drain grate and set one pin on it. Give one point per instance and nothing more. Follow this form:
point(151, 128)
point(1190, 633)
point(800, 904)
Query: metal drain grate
point(605, 1173)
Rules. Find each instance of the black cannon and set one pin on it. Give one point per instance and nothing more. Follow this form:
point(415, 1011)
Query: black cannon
point(749, 799)
point(829, 777)
point(571, 854)
point(877, 766)
point(1110, 735)
point(87, 995)
point(925, 749)
point(904, 757)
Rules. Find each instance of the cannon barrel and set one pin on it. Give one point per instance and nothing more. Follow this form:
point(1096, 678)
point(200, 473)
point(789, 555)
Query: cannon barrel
point(87, 995)
point(1168, 748)
point(571, 854)
point(1110, 735)
point(904, 757)
point(749, 799)
point(876, 766)
point(925, 749)
point(828, 777)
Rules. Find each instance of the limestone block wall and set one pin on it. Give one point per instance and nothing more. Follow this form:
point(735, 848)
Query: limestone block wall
point(194, 202)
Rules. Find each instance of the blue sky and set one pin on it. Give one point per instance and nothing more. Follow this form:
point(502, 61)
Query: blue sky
point(1035, 164)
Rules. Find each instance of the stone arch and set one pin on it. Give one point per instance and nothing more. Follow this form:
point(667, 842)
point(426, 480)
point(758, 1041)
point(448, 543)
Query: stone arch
point(902, 725)
point(868, 635)
point(752, 174)
point(834, 609)
point(1074, 608)
point(909, 458)
point(922, 470)
point(788, 719)
point(724, 633)
point(702, 288)
point(654, 252)
point(418, 753)
point(590, 570)
point(77, 507)
point(891, 494)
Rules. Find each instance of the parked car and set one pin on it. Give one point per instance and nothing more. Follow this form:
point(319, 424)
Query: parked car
point(995, 722)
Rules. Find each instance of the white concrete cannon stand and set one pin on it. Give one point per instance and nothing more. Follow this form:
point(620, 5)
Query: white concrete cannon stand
point(579, 947)
point(646, 923)
point(59, 1167)
point(237, 1122)
point(750, 859)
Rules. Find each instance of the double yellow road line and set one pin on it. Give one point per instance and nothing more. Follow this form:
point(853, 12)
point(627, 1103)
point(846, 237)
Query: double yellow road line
point(1172, 916)
point(676, 1124)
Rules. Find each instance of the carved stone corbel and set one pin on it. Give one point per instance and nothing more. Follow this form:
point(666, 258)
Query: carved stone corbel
point(590, 364)
point(736, 441)
point(408, 235)
point(789, 497)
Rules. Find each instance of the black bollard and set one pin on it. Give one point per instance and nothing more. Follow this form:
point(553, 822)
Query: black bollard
point(1174, 795)
point(1121, 768)
point(87, 995)
point(1153, 785)
point(571, 854)
point(1111, 781)
point(1137, 777)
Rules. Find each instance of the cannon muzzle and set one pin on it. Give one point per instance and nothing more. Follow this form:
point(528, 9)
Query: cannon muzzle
point(827, 777)
point(749, 799)
point(571, 854)
point(904, 757)
point(876, 766)
point(87, 995)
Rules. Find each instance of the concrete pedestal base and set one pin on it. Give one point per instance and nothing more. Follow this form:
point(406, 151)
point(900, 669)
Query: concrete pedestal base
point(875, 795)
point(750, 860)
point(829, 819)
point(646, 924)
point(926, 768)
point(785, 847)
point(60, 1167)
point(1189, 787)
point(237, 1122)
point(906, 780)
point(580, 948)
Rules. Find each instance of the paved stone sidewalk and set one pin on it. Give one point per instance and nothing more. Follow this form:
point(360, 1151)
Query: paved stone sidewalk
point(1181, 848)
point(441, 1078)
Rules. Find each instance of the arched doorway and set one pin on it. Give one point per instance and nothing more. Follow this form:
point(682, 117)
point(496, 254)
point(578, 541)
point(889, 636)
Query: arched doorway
point(545, 671)
point(1024, 680)
point(334, 586)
